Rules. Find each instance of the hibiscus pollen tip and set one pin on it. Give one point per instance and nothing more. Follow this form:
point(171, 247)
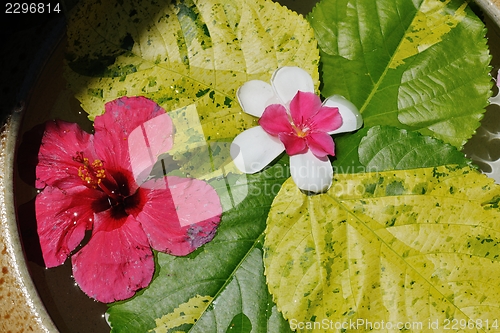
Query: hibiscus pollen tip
point(91, 173)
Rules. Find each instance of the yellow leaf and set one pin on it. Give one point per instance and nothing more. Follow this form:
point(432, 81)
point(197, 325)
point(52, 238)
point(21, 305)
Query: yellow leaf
point(187, 313)
point(430, 24)
point(397, 247)
point(190, 57)
point(183, 53)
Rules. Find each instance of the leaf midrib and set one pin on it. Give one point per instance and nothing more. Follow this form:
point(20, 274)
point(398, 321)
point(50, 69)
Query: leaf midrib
point(381, 240)
point(231, 276)
point(377, 85)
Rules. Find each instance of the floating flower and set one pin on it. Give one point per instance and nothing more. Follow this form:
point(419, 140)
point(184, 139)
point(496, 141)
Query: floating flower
point(292, 118)
point(101, 183)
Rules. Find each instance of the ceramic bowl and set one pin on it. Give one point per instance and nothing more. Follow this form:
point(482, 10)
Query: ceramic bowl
point(33, 299)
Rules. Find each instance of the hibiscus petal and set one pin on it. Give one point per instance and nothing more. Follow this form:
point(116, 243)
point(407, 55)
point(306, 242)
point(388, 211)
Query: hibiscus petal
point(351, 118)
point(62, 217)
point(311, 173)
point(148, 141)
point(254, 96)
point(275, 120)
point(287, 81)
point(321, 144)
point(254, 149)
point(112, 129)
point(293, 143)
point(115, 263)
point(60, 144)
point(303, 106)
point(180, 215)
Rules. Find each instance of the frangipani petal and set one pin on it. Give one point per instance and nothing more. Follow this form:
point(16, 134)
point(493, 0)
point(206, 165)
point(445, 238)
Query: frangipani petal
point(351, 118)
point(303, 106)
point(311, 173)
point(62, 219)
point(287, 81)
point(115, 263)
point(253, 149)
point(254, 96)
point(181, 228)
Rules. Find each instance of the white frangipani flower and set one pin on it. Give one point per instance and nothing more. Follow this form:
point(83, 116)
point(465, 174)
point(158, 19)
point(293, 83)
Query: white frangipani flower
point(292, 118)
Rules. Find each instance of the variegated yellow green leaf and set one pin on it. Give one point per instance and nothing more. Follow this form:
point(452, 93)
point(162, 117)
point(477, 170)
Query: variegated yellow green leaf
point(185, 53)
point(420, 65)
point(187, 313)
point(415, 247)
point(430, 24)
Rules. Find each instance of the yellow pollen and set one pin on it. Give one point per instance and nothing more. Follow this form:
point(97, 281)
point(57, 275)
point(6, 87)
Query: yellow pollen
point(93, 173)
point(301, 132)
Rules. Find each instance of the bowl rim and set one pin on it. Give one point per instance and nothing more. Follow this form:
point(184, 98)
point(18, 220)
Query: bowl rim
point(491, 8)
point(22, 306)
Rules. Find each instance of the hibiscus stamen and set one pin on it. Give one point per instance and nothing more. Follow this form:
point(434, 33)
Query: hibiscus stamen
point(91, 173)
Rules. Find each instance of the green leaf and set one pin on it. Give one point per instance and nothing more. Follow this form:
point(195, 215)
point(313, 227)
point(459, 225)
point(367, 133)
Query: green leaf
point(240, 324)
point(222, 283)
point(406, 246)
point(388, 148)
point(184, 53)
point(346, 152)
point(383, 148)
point(418, 65)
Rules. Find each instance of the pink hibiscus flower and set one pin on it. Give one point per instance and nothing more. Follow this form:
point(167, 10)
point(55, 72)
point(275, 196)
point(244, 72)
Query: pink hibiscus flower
point(101, 183)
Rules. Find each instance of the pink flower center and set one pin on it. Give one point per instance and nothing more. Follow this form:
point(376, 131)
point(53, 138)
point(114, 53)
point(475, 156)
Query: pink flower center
point(304, 125)
point(301, 131)
point(116, 187)
point(92, 174)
